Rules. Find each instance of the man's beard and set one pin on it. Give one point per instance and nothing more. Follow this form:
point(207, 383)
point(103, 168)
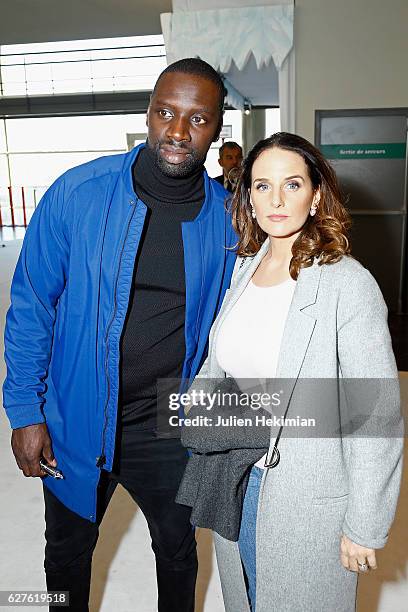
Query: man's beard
point(186, 168)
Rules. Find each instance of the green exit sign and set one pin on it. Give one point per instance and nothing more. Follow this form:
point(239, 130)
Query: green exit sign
point(394, 150)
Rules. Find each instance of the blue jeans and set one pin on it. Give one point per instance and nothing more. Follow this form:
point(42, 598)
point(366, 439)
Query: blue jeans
point(247, 533)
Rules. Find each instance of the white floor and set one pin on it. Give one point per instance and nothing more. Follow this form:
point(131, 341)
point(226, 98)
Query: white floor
point(123, 571)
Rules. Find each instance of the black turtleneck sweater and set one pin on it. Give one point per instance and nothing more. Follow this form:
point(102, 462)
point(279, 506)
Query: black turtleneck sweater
point(152, 344)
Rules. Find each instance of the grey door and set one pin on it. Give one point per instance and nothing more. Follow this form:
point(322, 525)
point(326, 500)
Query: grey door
point(368, 149)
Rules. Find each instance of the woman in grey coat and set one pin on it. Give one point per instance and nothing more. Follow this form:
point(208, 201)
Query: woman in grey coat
point(297, 518)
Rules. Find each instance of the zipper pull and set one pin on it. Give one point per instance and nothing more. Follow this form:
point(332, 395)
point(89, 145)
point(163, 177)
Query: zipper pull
point(100, 461)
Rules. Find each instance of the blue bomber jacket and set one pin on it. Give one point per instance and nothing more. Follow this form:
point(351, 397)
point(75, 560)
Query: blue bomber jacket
point(69, 298)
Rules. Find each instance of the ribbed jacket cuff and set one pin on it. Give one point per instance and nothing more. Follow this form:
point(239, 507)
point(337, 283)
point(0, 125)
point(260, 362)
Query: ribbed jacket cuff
point(23, 416)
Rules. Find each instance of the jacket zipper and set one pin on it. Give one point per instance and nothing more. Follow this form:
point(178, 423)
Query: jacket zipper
point(101, 460)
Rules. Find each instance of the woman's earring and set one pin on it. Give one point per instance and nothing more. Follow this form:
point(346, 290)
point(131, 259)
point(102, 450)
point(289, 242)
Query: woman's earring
point(313, 209)
point(253, 213)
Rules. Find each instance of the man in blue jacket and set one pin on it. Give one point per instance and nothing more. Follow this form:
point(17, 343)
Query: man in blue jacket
point(121, 274)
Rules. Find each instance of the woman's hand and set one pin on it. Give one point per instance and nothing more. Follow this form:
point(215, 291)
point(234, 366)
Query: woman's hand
point(353, 554)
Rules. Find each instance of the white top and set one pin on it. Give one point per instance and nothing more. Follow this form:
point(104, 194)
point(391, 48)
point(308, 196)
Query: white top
point(250, 336)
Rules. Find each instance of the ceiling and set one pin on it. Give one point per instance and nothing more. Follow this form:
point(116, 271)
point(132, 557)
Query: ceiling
point(27, 21)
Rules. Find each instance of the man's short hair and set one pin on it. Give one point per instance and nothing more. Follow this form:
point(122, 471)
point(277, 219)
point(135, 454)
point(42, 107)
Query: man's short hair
point(230, 144)
point(198, 67)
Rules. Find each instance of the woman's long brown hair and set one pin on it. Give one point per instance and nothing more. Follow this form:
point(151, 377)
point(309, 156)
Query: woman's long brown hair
point(324, 236)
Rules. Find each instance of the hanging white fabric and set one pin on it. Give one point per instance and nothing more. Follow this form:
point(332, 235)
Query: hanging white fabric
point(224, 35)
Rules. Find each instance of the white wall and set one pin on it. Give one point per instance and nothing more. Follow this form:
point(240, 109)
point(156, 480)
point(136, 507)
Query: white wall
point(349, 54)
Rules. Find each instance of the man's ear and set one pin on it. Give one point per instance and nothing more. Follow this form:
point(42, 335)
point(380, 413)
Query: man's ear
point(217, 134)
point(219, 161)
point(219, 127)
point(147, 116)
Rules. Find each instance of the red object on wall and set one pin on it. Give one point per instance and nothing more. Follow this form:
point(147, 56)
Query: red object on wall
point(10, 190)
point(24, 206)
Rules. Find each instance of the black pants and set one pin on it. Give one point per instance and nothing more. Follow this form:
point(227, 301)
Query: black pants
point(150, 469)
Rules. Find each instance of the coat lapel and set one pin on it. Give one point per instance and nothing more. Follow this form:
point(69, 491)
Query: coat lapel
point(299, 324)
point(299, 327)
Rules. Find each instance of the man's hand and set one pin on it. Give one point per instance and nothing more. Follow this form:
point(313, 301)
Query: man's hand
point(352, 554)
point(29, 444)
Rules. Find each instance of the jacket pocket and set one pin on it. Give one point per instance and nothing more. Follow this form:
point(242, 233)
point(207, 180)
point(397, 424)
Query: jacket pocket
point(328, 501)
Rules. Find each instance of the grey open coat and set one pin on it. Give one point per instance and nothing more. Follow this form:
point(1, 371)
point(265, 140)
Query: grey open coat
point(336, 327)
